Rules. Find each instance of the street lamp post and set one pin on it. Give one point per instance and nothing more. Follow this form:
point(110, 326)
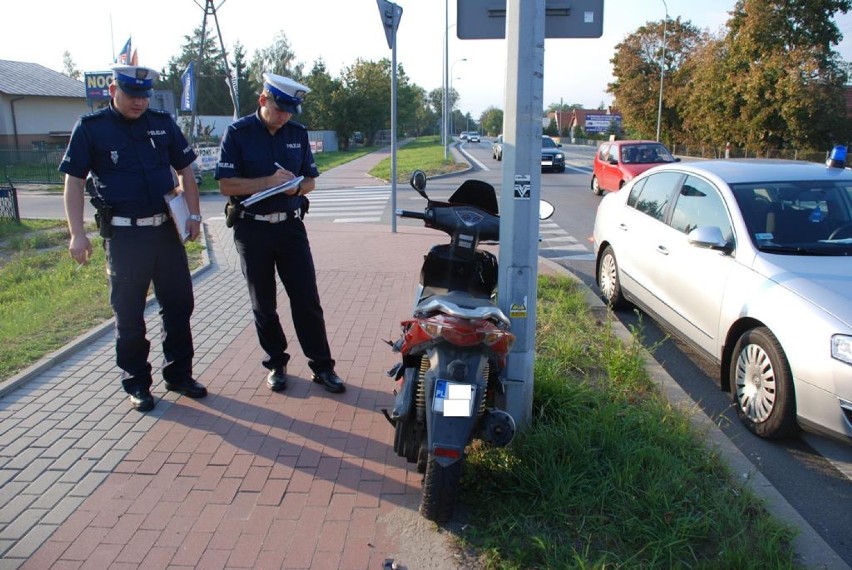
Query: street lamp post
point(662, 72)
point(450, 104)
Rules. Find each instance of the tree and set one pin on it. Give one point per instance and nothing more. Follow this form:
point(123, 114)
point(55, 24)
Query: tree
point(784, 80)
point(491, 121)
point(212, 90)
point(278, 59)
point(318, 111)
point(636, 68)
point(247, 89)
point(69, 68)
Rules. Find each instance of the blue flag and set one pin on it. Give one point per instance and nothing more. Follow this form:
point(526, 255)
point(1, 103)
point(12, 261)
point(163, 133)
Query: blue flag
point(124, 55)
point(187, 98)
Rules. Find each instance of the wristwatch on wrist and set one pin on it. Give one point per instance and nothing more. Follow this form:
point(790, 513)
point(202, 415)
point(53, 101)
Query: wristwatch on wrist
point(195, 217)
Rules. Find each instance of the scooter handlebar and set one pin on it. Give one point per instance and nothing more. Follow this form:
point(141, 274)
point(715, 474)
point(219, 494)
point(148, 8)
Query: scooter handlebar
point(410, 214)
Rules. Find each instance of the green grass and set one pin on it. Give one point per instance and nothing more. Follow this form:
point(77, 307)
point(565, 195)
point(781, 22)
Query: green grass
point(423, 153)
point(46, 299)
point(608, 474)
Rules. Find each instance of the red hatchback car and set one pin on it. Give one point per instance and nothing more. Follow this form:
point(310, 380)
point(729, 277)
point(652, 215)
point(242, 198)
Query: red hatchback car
point(618, 162)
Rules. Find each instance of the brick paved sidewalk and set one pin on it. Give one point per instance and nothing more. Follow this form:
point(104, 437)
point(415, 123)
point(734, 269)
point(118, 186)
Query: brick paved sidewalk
point(245, 477)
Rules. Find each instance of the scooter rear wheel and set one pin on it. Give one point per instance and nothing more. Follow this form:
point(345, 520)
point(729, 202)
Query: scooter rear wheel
point(440, 490)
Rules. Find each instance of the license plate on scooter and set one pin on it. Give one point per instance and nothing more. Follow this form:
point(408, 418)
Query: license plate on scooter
point(453, 399)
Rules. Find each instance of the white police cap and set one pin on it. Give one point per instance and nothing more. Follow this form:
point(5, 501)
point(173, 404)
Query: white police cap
point(288, 94)
point(135, 80)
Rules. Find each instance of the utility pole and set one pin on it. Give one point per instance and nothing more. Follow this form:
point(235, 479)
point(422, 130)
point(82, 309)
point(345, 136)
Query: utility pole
point(210, 10)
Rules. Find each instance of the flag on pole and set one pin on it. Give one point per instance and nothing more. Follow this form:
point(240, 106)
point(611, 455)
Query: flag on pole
point(187, 98)
point(123, 56)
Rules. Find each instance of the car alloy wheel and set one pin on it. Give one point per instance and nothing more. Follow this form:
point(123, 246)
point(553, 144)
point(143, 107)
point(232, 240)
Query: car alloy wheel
point(762, 385)
point(608, 280)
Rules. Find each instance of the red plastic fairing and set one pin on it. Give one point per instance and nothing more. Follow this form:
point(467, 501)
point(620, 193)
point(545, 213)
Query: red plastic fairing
point(457, 331)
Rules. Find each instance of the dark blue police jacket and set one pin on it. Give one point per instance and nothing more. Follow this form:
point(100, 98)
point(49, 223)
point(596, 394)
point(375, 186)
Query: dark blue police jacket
point(132, 160)
point(249, 151)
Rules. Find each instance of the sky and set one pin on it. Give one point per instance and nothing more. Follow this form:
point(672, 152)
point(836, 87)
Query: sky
point(339, 32)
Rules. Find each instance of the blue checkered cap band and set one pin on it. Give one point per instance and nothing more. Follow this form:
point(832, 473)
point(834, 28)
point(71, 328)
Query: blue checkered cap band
point(135, 80)
point(288, 94)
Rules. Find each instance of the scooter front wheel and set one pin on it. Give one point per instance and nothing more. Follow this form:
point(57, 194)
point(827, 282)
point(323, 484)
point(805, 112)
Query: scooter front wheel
point(440, 490)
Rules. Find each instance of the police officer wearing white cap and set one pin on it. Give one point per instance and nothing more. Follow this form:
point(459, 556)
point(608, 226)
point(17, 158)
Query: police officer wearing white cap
point(260, 151)
point(131, 150)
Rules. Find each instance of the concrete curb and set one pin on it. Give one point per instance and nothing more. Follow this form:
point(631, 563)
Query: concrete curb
point(811, 550)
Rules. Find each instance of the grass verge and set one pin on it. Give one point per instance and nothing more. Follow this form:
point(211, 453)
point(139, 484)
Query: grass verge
point(608, 474)
point(46, 299)
point(423, 153)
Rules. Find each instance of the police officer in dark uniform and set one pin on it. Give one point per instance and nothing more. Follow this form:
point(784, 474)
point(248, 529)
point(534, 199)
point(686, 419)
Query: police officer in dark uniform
point(130, 150)
point(260, 151)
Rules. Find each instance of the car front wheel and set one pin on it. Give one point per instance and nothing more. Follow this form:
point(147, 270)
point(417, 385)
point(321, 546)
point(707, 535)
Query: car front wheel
point(763, 385)
point(596, 186)
point(608, 280)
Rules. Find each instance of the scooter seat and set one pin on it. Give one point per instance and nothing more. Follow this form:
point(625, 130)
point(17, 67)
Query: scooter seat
point(460, 304)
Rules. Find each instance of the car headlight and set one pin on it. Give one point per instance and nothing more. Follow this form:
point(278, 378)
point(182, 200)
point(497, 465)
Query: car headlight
point(841, 348)
point(559, 156)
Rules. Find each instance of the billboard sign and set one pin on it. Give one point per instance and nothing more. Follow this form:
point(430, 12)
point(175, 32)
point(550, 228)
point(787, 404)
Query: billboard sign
point(602, 123)
point(97, 85)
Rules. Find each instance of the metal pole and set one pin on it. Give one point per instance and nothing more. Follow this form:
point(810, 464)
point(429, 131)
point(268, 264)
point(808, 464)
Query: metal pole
point(393, 134)
point(519, 198)
point(662, 72)
point(445, 141)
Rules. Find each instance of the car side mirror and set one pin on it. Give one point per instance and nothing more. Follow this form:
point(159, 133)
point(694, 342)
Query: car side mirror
point(613, 161)
point(708, 237)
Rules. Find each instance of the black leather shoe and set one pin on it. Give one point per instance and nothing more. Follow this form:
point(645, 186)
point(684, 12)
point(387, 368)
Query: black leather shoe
point(190, 389)
point(141, 400)
point(330, 381)
point(277, 379)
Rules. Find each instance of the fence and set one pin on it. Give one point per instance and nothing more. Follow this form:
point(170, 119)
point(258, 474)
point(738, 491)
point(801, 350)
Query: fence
point(31, 166)
point(9, 202)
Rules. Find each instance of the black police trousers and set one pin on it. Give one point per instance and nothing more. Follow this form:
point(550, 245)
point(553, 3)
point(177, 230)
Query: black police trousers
point(265, 249)
point(136, 258)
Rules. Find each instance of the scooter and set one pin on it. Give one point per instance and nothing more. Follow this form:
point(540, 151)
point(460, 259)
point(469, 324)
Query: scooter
point(454, 347)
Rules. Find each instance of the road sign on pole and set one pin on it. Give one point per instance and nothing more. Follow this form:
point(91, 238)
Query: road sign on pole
point(391, 15)
point(525, 24)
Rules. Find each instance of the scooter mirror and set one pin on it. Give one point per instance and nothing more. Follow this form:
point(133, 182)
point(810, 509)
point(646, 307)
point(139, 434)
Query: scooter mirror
point(545, 209)
point(418, 181)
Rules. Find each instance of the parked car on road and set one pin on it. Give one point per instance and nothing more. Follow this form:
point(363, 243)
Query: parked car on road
point(552, 158)
point(750, 263)
point(617, 162)
point(497, 148)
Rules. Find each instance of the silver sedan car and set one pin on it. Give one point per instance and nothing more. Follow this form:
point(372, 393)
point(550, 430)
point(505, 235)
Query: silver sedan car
point(750, 263)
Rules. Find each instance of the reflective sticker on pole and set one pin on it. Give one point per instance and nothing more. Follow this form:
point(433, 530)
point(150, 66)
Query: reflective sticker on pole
point(518, 309)
point(522, 186)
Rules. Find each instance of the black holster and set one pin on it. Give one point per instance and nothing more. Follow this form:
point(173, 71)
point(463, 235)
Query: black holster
point(232, 214)
point(103, 217)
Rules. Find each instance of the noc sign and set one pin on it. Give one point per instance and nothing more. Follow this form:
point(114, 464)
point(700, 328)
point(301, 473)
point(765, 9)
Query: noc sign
point(97, 85)
point(486, 19)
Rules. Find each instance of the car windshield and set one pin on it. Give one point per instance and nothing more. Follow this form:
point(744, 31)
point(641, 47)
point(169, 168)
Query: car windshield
point(799, 217)
point(650, 153)
point(547, 142)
